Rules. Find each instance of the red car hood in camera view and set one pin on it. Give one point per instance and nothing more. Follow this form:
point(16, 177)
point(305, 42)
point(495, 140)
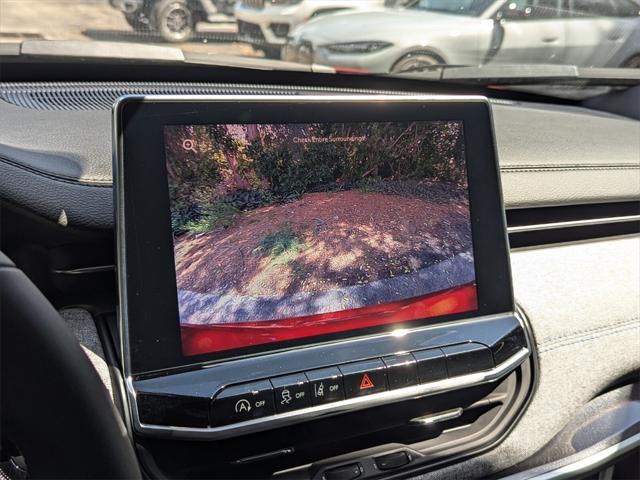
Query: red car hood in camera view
point(199, 339)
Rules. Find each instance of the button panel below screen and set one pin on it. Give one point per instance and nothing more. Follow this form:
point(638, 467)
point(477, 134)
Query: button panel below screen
point(279, 395)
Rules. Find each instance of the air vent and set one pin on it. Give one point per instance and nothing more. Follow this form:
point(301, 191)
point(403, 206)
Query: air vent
point(570, 223)
point(101, 96)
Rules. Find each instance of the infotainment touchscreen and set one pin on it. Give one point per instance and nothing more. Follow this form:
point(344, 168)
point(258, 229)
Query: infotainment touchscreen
point(259, 227)
point(283, 231)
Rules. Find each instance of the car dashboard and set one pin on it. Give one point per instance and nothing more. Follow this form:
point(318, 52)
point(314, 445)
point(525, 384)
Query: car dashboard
point(549, 390)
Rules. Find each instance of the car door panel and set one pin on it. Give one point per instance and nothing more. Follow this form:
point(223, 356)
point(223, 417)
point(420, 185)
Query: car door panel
point(595, 36)
point(531, 33)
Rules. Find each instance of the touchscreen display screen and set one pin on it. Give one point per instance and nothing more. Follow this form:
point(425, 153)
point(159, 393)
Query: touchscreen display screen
point(283, 232)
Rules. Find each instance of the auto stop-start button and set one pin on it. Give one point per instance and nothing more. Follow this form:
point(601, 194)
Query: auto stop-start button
point(242, 402)
point(364, 378)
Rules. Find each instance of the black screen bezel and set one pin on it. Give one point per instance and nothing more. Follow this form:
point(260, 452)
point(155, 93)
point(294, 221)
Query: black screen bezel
point(149, 309)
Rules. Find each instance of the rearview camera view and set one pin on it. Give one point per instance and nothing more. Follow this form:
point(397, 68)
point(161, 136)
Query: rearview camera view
point(288, 231)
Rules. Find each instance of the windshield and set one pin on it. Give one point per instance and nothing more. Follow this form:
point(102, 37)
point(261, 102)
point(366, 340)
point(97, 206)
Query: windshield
point(457, 7)
point(388, 37)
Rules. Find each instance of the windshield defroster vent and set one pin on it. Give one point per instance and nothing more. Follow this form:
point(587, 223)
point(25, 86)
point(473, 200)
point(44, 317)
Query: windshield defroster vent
point(101, 96)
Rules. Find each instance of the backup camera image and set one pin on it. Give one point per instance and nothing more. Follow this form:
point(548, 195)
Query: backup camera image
point(288, 231)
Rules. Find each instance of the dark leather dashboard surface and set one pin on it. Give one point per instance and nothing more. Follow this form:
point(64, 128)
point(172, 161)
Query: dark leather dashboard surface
point(55, 150)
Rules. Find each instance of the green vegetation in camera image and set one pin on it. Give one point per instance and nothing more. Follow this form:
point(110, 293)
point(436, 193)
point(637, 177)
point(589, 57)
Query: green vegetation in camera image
point(280, 243)
point(218, 214)
point(239, 168)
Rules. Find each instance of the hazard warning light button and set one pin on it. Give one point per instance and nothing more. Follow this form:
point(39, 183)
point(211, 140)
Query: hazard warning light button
point(364, 378)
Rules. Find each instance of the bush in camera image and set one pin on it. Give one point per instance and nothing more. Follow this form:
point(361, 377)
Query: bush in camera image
point(322, 227)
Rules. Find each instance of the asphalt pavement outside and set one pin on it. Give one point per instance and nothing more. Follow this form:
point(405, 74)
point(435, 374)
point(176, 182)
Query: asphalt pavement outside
point(96, 20)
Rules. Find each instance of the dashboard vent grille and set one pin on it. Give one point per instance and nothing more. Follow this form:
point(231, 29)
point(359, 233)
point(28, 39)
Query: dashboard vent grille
point(101, 96)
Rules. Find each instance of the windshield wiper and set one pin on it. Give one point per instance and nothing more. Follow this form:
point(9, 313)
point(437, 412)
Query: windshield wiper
point(527, 74)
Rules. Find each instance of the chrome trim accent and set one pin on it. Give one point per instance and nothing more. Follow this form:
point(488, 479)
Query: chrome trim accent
point(302, 99)
point(86, 270)
point(438, 417)
point(264, 456)
point(586, 465)
point(118, 210)
point(352, 404)
point(573, 224)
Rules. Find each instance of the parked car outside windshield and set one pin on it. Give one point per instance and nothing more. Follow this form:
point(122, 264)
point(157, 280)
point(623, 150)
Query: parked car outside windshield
point(266, 24)
point(473, 32)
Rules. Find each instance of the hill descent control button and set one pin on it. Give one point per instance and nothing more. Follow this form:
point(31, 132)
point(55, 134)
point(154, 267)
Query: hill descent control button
point(291, 392)
point(242, 402)
point(364, 378)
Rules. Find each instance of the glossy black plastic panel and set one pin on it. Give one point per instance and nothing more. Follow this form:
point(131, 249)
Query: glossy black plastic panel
point(163, 409)
point(182, 399)
point(432, 365)
point(467, 358)
point(508, 344)
point(402, 370)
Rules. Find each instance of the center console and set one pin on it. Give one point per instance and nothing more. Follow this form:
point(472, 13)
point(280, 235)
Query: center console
point(314, 287)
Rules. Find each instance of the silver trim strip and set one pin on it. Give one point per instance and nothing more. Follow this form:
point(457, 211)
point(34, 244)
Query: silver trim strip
point(282, 419)
point(585, 465)
point(573, 224)
point(87, 270)
point(264, 456)
point(438, 417)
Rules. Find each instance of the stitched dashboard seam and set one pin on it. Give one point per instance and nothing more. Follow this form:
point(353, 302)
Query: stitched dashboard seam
point(577, 333)
point(57, 178)
point(92, 182)
point(577, 168)
point(588, 338)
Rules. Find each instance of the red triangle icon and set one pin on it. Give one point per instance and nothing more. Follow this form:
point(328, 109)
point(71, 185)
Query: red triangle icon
point(366, 382)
